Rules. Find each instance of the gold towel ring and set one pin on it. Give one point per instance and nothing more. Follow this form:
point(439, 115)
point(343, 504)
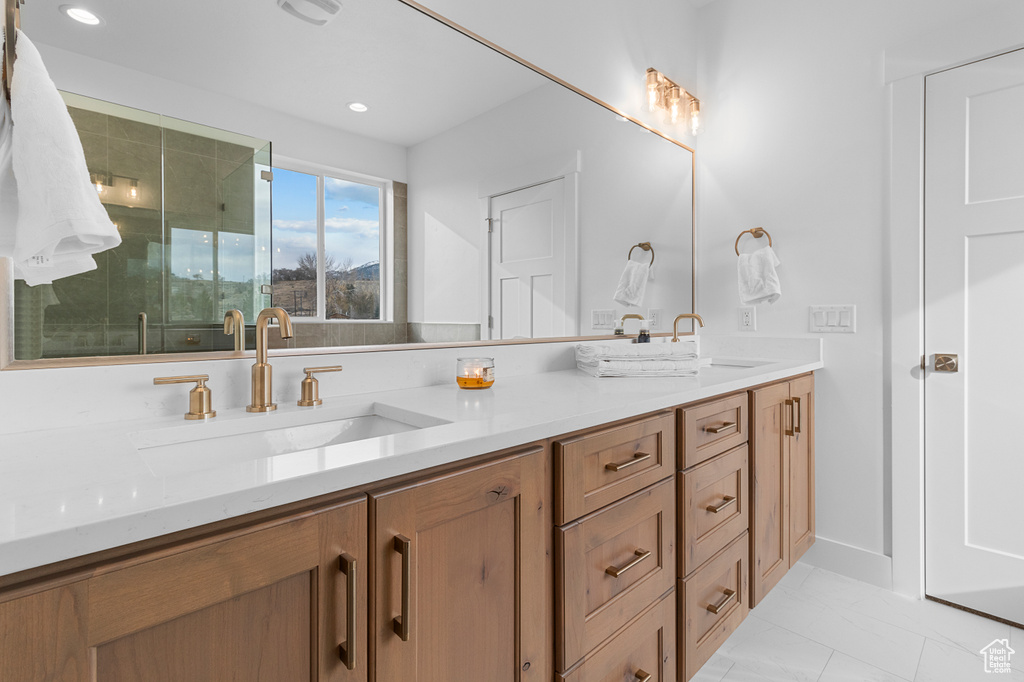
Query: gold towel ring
point(757, 233)
point(646, 246)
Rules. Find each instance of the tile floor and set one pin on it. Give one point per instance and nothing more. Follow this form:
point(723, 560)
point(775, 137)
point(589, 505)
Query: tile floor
point(818, 626)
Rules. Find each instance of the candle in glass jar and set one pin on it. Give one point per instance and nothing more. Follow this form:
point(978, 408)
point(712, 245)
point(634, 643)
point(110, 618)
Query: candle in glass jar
point(475, 372)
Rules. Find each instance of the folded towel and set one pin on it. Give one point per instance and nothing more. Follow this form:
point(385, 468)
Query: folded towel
point(632, 284)
point(621, 350)
point(61, 221)
point(687, 367)
point(759, 283)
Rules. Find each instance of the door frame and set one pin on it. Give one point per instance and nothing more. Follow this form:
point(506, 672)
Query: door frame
point(564, 166)
point(906, 66)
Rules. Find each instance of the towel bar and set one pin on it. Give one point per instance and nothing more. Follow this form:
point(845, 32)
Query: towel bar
point(646, 246)
point(757, 233)
point(12, 18)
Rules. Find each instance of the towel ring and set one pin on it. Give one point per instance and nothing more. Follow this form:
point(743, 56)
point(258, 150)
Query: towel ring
point(646, 246)
point(757, 233)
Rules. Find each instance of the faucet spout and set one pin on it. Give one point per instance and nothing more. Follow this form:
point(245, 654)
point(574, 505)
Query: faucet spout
point(234, 323)
point(684, 316)
point(262, 377)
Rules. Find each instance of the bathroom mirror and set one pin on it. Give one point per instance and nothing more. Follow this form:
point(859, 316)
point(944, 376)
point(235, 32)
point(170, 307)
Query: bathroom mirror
point(506, 201)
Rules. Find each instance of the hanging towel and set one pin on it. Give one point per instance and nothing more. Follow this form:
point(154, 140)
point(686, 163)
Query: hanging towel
point(759, 283)
point(61, 221)
point(632, 284)
point(8, 187)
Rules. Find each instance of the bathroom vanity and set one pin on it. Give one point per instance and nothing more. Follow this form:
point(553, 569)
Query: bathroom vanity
point(556, 526)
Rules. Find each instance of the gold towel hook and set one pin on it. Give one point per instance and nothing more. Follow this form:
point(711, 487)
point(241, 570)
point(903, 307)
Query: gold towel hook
point(646, 246)
point(12, 22)
point(757, 233)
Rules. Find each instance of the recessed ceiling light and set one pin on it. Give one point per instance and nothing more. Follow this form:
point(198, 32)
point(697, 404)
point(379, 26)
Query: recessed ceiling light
point(357, 106)
point(81, 15)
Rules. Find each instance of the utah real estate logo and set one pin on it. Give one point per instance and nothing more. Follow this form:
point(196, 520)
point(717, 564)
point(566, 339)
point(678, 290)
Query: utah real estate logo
point(997, 656)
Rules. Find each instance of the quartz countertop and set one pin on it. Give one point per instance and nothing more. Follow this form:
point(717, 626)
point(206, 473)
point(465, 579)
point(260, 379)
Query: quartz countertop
point(68, 492)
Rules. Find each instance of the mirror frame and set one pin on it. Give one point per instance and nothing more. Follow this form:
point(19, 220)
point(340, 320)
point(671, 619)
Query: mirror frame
point(7, 361)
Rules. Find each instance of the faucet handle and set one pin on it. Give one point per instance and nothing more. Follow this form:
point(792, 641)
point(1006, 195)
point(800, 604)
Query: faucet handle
point(200, 401)
point(310, 387)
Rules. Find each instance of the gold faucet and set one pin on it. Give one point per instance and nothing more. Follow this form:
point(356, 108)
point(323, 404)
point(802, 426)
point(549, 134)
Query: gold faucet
point(234, 323)
point(675, 325)
point(620, 329)
point(262, 394)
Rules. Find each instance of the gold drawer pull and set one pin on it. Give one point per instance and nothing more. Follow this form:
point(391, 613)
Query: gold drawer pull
point(347, 564)
point(640, 555)
point(799, 415)
point(637, 458)
point(642, 675)
point(724, 427)
point(717, 608)
point(715, 508)
point(403, 546)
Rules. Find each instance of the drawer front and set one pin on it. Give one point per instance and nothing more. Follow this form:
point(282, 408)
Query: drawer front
point(714, 507)
point(611, 566)
point(647, 646)
point(711, 429)
point(598, 468)
point(719, 585)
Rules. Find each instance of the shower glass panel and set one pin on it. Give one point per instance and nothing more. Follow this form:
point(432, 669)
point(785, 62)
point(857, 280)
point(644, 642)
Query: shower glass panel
point(193, 210)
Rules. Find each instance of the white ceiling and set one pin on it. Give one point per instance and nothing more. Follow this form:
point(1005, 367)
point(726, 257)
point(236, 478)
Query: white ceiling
point(380, 52)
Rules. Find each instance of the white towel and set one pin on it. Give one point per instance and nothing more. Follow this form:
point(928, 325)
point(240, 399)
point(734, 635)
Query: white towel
point(621, 350)
point(8, 186)
point(61, 221)
point(759, 283)
point(632, 284)
point(651, 367)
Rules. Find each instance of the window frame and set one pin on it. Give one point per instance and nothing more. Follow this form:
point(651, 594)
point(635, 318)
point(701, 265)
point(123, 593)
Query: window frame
point(387, 234)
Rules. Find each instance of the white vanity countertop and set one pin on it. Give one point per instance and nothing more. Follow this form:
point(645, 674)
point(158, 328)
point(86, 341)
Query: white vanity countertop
point(72, 491)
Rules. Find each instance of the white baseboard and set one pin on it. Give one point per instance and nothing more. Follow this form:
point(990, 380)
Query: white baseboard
point(851, 561)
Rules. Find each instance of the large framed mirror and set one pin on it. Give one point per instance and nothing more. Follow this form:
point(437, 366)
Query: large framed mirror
point(475, 200)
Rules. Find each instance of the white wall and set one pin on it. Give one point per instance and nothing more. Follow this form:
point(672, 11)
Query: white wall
point(292, 137)
point(797, 140)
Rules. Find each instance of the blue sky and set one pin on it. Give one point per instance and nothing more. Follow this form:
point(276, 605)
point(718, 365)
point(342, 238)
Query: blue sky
point(351, 219)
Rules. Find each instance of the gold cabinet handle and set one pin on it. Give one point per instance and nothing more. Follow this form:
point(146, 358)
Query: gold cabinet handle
point(724, 427)
point(347, 564)
point(639, 555)
point(637, 458)
point(715, 508)
point(717, 608)
point(642, 675)
point(403, 546)
point(200, 400)
point(799, 415)
point(789, 404)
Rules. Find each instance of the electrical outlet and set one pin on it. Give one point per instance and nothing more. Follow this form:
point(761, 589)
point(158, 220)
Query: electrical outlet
point(748, 318)
point(602, 319)
point(655, 315)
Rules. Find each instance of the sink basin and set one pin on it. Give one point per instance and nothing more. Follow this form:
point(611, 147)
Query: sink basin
point(245, 438)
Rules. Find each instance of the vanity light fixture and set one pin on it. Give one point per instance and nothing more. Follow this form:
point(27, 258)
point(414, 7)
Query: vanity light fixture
point(358, 107)
point(664, 95)
point(81, 15)
point(101, 181)
point(133, 189)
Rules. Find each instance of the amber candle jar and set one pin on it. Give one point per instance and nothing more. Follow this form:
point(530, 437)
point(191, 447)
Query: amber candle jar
point(475, 372)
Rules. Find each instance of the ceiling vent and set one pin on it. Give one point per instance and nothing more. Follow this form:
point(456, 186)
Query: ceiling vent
point(316, 12)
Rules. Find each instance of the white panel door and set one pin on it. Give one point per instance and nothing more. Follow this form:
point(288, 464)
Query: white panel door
point(530, 293)
point(974, 285)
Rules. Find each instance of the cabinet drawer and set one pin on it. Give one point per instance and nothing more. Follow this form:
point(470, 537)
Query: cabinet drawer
point(711, 429)
point(601, 467)
point(633, 538)
point(719, 585)
point(646, 646)
point(714, 508)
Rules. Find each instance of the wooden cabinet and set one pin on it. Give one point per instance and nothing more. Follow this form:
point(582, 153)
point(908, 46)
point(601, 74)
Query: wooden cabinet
point(266, 603)
point(463, 582)
point(782, 480)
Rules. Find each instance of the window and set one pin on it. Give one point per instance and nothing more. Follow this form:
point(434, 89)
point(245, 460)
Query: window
point(328, 245)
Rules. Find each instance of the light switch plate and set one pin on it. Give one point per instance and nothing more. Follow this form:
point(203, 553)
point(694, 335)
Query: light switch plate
point(832, 319)
point(602, 319)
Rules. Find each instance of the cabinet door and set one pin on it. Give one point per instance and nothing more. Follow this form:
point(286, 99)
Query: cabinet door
point(769, 524)
point(463, 576)
point(245, 607)
point(801, 468)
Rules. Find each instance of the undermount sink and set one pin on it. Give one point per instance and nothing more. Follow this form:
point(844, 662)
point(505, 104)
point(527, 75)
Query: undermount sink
point(243, 438)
